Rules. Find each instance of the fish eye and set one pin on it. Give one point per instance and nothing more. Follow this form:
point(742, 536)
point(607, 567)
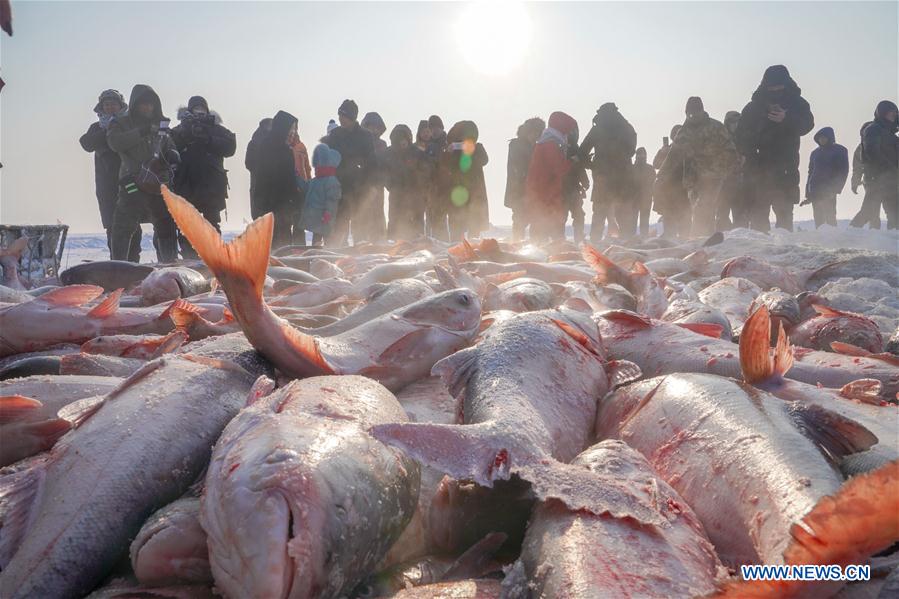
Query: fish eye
point(464, 299)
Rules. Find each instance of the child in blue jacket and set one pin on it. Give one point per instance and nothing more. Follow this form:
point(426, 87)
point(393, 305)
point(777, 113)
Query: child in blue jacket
point(322, 194)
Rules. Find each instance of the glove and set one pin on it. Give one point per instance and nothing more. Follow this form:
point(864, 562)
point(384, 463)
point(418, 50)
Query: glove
point(326, 217)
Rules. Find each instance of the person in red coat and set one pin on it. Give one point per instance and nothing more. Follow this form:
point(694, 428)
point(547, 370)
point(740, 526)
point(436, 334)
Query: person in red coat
point(546, 174)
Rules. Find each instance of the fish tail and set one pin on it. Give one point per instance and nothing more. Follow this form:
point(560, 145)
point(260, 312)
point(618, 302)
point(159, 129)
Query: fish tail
point(848, 527)
point(17, 407)
point(245, 257)
point(606, 270)
point(184, 314)
point(755, 338)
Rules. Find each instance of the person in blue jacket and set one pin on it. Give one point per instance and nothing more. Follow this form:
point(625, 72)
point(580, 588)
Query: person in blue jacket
point(828, 169)
point(323, 194)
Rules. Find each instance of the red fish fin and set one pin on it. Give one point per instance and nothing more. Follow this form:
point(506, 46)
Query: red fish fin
point(227, 316)
point(475, 452)
point(707, 329)
point(471, 564)
point(272, 261)
point(829, 312)
point(606, 270)
point(455, 369)
point(19, 492)
point(184, 314)
point(17, 407)
point(71, 296)
point(621, 372)
point(628, 317)
point(864, 390)
point(755, 361)
point(262, 387)
point(579, 336)
point(847, 349)
point(576, 303)
point(307, 346)
point(246, 256)
point(581, 490)
point(783, 352)
point(638, 268)
point(836, 435)
point(398, 351)
point(845, 528)
point(169, 343)
point(108, 306)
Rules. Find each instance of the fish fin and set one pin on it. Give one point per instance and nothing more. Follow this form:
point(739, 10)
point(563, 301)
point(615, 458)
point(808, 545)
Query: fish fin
point(606, 270)
point(272, 261)
point(135, 376)
point(638, 268)
point(783, 352)
point(845, 528)
point(307, 346)
point(576, 303)
point(246, 256)
point(499, 278)
point(169, 343)
point(227, 316)
point(708, 329)
point(184, 314)
point(70, 296)
point(755, 339)
point(398, 351)
point(836, 435)
point(476, 452)
point(20, 493)
point(715, 239)
point(472, 562)
point(217, 363)
point(489, 245)
point(455, 369)
point(697, 259)
point(262, 387)
point(578, 489)
point(626, 316)
point(462, 252)
point(579, 336)
point(15, 248)
point(847, 349)
point(621, 372)
point(108, 306)
point(79, 411)
point(17, 407)
point(864, 390)
point(445, 277)
point(829, 312)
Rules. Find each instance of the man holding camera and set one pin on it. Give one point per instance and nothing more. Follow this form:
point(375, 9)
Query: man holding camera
point(201, 178)
point(140, 137)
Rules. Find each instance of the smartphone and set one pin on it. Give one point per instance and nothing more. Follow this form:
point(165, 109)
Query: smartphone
point(164, 125)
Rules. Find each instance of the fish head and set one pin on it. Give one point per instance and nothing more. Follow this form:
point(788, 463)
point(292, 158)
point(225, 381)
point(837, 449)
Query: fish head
point(781, 306)
point(456, 311)
point(110, 345)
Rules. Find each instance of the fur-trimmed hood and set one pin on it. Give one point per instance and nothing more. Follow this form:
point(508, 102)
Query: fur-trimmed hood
point(183, 112)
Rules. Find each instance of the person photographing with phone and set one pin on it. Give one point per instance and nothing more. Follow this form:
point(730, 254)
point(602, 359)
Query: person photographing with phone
point(768, 137)
point(203, 144)
point(141, 138)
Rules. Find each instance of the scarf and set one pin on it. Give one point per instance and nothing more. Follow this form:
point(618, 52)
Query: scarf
point(551, 135)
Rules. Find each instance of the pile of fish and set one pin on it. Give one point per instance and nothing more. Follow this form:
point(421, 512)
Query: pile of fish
point(424, 419)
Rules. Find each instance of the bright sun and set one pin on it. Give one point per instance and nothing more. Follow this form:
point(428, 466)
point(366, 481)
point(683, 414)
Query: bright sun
point(494, 36)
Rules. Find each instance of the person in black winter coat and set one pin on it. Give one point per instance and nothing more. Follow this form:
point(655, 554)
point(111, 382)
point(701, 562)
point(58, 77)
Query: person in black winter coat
point(828, 169)
point(251, 161)
point(409, 173)
point(276, 182)
point(357, 154)
point(107, 164)
point(201, 177)
point(520, 151)
point(613, 142)
point(880, 157)
point(768, 137)
point(372, 208)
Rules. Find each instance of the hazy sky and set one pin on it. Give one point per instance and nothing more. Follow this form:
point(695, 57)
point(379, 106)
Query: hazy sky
point(409, 60)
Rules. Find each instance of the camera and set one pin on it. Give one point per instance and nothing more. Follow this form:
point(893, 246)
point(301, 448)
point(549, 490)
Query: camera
point(200, 123)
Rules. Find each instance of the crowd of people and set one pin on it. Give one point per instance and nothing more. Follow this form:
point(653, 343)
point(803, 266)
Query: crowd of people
point(708, 176)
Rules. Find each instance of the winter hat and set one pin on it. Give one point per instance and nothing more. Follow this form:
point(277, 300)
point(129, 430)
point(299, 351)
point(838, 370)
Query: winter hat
point(332, 124)
point(883, 107)
point(402, 131)
point(197, 101)
point(435, 122)
point(535, 124)
point(462, 131)
point(694, 105)
point(110, 94)
point(563, 123)
point(323, 156)
point(349, 109)
point(373, 120)
point(776, 75)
